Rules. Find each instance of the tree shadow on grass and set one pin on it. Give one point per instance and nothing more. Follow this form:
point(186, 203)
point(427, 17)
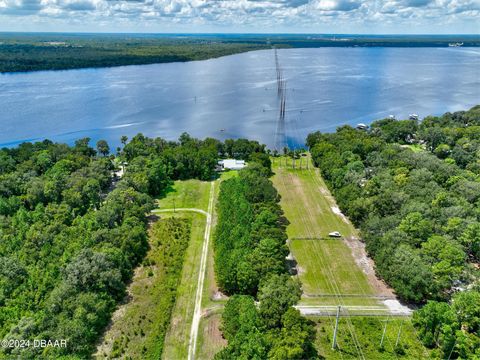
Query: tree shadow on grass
point(168, 190)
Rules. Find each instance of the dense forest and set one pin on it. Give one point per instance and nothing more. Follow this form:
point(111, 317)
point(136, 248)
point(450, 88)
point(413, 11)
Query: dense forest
point(57, 51)
point(414, 191)
point(250, 250)
point(22, 52)
point(71, 232)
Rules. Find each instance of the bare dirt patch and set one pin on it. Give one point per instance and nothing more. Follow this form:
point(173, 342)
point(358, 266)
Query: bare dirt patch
point(367, 265)
point(300, 270)
point(214, 332)
point(218, 295)
point(212, 337)
point(336, 210)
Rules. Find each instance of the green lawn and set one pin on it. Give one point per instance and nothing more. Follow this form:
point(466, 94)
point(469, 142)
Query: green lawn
point(345, 300)
point(186, 194)
point(368, 331)
point(307, 203)
point(325, 266)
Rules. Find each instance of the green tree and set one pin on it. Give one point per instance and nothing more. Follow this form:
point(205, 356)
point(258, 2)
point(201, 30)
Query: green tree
point(431, 319)
point(276, 294)
point(470, 239)
point(295, 339)
point(103, 148)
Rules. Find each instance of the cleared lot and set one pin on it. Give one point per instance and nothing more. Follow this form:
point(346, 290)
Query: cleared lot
point(326, 266)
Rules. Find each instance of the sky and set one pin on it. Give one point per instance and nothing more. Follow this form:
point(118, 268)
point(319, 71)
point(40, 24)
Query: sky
point(243, 16)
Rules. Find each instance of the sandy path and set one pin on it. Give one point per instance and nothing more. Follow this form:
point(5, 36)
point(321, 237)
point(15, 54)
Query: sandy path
point(182, 209)
point(192, 345)
point(197, 313)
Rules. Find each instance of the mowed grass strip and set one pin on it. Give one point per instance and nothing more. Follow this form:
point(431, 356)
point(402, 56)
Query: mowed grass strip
point(325, 266)
point(307, 203)
point(320, 260)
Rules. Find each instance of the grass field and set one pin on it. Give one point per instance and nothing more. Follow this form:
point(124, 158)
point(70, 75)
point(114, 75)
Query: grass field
point(186, 194)
point(330, 273)
point(320, 261)
point(325, 266)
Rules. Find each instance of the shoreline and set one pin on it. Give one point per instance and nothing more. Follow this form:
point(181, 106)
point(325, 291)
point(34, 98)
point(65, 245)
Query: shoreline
point(34, 52)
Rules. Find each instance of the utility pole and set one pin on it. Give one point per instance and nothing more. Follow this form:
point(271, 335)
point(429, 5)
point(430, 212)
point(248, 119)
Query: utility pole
point(174, 205)
point(384, 331)
point(398, 335)
point(334, 345)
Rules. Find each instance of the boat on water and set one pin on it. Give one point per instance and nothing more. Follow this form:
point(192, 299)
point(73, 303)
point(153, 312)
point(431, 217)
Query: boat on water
point(456, 44)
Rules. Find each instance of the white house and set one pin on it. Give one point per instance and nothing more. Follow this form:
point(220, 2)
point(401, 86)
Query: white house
point(231, 164)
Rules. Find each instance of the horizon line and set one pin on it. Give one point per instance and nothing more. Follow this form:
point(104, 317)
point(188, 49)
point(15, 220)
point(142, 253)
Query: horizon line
point(236, 33)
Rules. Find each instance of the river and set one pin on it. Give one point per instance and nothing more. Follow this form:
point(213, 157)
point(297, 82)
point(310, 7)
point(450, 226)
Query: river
point(236, 96)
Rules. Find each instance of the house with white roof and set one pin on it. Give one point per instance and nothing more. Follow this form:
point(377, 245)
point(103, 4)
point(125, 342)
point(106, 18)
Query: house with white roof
point(231, 164)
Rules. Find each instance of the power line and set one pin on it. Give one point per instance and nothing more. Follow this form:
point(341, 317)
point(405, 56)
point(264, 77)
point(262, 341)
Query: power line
point(331, 280)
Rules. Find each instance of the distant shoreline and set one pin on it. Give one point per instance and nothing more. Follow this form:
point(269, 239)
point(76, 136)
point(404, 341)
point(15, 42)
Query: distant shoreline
point(27, 52)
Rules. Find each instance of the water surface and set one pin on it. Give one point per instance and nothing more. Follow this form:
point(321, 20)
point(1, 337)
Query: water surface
point(236, 96)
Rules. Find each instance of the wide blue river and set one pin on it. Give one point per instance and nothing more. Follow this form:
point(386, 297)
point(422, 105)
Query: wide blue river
point(236, 96)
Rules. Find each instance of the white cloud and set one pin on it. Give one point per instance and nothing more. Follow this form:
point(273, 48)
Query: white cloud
point(246, 15)
point(337, 5)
